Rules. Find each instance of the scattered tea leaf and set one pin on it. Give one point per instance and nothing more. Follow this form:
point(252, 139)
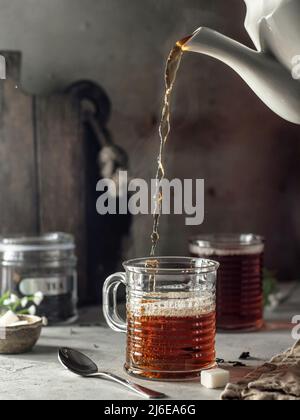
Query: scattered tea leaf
point(245, 356)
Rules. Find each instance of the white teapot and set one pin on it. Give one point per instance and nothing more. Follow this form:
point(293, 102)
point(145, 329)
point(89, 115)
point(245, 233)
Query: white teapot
point(272, 70)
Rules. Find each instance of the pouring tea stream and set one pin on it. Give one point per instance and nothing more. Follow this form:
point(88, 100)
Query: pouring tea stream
point(273, 25)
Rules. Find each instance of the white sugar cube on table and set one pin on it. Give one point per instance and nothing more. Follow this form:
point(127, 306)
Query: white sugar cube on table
point(215, 378)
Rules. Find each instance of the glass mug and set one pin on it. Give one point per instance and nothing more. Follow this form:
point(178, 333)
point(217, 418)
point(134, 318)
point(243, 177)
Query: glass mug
point(240, 278)
point(171, 316)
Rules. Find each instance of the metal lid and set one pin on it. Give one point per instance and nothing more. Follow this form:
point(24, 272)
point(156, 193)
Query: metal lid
point(46, 242)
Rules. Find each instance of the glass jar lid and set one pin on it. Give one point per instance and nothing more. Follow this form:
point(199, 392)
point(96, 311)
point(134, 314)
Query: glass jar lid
point(50, 247)
point(46, 242)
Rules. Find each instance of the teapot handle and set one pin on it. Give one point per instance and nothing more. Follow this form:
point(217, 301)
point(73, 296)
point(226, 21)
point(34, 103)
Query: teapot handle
point(111, 314)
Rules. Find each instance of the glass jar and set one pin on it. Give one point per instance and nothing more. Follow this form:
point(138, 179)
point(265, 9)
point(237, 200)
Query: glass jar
point(240, 278)
point(46, 264)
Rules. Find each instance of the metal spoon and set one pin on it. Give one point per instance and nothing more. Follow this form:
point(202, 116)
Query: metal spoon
point(82, 365)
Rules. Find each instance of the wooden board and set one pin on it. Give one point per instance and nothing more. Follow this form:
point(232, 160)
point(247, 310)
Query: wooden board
point(61, 172)
point(42, 165)
point(18, 188)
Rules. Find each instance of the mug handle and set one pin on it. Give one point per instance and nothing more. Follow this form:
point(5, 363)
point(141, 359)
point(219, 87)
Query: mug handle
point(111, 315)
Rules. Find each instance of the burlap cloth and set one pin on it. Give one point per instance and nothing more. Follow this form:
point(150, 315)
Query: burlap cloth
point(277, 380)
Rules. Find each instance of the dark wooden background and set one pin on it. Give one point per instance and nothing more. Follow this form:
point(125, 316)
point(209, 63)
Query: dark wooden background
point(221, 131)
point(48, 176)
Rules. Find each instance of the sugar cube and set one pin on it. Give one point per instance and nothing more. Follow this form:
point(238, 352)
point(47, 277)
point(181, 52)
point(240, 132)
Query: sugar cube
point(8, 318)
point(215, 378)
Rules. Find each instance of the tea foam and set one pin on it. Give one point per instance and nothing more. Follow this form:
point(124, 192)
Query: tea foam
point(172, 305)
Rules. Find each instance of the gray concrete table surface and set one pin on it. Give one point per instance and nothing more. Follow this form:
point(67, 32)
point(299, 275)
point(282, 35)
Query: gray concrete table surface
point(39, 376)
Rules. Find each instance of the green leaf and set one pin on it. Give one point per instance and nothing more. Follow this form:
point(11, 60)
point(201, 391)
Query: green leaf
point(4, 297)
point(270, 285)
point(23, 312)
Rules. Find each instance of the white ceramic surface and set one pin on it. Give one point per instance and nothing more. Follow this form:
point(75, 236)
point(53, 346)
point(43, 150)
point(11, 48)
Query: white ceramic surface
point(274, 27)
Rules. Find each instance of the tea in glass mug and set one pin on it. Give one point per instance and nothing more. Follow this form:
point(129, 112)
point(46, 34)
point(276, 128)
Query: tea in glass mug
point(171, 316)
point(240, 278)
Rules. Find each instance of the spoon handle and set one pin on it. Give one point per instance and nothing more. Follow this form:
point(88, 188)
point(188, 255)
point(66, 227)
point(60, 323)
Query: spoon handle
point(138, 389)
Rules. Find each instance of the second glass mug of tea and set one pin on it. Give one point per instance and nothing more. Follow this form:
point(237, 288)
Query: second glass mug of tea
point(240, 278)
point(171, 316)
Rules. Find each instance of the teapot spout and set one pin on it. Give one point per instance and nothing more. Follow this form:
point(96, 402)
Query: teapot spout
point(268, 78)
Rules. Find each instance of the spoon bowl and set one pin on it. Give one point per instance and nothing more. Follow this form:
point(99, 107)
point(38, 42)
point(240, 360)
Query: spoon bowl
point(77, 362)
point(82, 365)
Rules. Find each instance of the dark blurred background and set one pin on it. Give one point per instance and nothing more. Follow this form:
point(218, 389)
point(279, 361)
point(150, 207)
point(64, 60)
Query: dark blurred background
point(221, 131)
